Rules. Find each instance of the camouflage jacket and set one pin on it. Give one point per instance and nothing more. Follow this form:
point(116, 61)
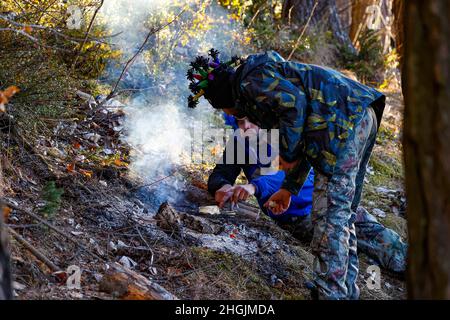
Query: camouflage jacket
point(314, 108)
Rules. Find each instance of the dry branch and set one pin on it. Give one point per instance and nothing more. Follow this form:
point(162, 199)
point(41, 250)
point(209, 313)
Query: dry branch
point(297, 43)
point(88, 31)
point(133, 58)
point(52, 227)
point(126, 284)
point(34, 251)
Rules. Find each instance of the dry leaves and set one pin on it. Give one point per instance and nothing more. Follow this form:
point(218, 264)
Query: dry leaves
point(6, 212)
point(27, 29)
point(6, 95)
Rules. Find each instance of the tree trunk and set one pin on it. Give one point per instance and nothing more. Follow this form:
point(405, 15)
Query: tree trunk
point(426, 87)
point(344, 8)
point(359, 17)
point(325, 15)
point(398, 10)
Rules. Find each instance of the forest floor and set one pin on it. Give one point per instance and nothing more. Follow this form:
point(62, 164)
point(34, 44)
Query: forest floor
point(106, 217)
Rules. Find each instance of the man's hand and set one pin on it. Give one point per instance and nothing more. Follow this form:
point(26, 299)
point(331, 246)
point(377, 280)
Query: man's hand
point(279, 202)
point(223, 195)
point(242, 192)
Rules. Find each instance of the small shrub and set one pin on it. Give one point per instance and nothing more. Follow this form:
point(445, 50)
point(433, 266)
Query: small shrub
point(52, 197)
point(368, 63)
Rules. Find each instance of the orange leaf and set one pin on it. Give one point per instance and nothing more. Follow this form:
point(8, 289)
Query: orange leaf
point(71, 167)
point(6, 212)
point(87, 173)
point(76, 145)
point(6, 95)
point(27, 29)
point(120, 163)
point(10, 91)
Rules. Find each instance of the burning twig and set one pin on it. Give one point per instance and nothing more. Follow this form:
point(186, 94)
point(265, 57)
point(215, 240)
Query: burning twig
point(133, 58)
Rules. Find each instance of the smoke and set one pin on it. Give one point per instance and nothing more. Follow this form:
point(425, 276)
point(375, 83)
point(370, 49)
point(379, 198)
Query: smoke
point(158, 123)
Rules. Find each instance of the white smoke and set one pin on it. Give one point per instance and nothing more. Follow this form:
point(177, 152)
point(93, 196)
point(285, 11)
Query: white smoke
point(158, 120)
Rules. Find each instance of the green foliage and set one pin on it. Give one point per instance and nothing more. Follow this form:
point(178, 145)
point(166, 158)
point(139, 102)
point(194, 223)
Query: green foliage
point(368, 63)
point(52, 197)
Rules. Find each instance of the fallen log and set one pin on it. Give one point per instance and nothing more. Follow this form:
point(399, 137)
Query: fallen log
point(173, 222)
point(126, 284)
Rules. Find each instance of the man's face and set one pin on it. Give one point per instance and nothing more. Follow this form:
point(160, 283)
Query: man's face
point(248, 127)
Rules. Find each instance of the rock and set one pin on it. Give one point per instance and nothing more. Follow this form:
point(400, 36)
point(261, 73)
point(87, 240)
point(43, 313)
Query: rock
point(121, 245)
point(94, 137)
point(87, 97)
point(127, 262)
point(168, 219)
point(379, 213)
point(212, 210)
point(172, 222)
point(98, 277)
point(55, 152)
point(18, 286)
point(112, 246)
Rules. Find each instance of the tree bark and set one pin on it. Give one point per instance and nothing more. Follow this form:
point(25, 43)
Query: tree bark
point(398, 9)
point(344, 8)
point(426, 87)
point(325, 15)
point(126, 284)
point(358, 16)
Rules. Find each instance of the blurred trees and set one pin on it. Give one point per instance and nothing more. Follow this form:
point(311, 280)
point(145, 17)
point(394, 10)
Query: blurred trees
point(398, 9)
point(426, 88)
point(358, 16)
point(323, 13)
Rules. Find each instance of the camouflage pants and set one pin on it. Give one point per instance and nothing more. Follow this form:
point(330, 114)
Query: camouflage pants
point(381, 244)
point(335, 200)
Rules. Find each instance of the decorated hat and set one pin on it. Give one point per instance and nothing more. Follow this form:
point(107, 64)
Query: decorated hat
point(209, 77)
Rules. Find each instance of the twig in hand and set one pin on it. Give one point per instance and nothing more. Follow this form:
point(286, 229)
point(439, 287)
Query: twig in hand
point(34, 251)
point(133, 58)
point(297, 43)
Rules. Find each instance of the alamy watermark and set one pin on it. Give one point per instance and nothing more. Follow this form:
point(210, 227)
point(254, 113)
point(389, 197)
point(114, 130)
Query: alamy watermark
point(373, 282)
point(253, 146)
point(74, 277)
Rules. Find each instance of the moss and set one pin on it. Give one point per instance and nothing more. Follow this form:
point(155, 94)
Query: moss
point(388, 170)
point(232, 275)
point(236, 278)
point(398, 224)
